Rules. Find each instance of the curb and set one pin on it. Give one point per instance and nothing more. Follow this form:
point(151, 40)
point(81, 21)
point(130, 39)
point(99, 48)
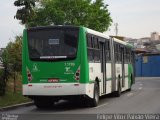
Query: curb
point(16, 106)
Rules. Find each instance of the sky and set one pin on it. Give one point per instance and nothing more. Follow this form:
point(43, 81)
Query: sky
point(135, 18)
point(9, 27)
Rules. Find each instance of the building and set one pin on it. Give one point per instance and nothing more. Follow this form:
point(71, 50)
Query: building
point(131, 41)
point(155, 36)
point(145, 44)
point(144, 40)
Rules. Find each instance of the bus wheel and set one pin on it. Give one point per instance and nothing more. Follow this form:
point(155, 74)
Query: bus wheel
point(93, 102)
point(129, 89)
point(118, 92)
point(42, 103)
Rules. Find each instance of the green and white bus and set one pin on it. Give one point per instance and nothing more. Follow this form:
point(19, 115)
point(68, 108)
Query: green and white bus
point(74, 63)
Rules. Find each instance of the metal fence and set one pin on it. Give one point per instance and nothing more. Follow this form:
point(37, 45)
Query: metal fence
point(148, 66)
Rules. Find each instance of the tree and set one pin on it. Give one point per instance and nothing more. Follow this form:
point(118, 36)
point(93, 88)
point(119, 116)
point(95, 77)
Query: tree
point(94, 15)
point(14, 50)
point(15, 57)
point(2, 83)
point(12, 59)
point(25, 11)
point(4, 73)
point(99, 18)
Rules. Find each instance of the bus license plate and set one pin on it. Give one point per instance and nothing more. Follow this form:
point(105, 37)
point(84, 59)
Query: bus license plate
point(53, 80)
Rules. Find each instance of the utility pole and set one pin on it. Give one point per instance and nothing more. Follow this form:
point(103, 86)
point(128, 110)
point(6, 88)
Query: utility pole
point(116, 29)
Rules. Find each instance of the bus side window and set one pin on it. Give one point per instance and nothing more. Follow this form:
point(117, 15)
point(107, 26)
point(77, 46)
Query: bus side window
point(90, 45)
point(96, 43)
point(108, 50)
point(125, 55)
point(124, 52)
point(128, 56)
point(92, 41)
point(115, 52)
point(97, 55)
point(90, 55)
point(119, 53)
point(89, 41)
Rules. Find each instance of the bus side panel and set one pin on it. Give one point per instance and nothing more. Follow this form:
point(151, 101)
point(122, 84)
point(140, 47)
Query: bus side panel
point(118, 71)
point(109, 77)
point(24, 73)
point(130, 72)
point(126, 76)
point(84, 76)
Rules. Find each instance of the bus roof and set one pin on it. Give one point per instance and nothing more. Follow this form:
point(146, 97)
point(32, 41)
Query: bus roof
point(87, 29)
point(50, 27)
point(107, 37)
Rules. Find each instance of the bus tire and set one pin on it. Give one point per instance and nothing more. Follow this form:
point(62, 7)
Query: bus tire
point(93, 102)
point(118, 92)
point(130, 89)
point(43, 103)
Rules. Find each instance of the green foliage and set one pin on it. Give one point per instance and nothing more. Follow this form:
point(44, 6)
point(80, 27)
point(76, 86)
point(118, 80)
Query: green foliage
point(14, 53)
point(2, 83)
point(25, 11)
point(12, 61)
point(4, 73)
point(94, 15)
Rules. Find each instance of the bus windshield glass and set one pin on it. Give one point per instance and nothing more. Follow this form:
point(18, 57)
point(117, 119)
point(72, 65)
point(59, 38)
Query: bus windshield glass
point(53, 43)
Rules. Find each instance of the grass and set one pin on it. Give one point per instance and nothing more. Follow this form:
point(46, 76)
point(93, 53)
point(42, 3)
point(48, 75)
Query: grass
point(11, 98)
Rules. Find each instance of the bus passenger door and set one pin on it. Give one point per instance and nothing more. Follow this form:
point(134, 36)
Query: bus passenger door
point(103, 67)
point(123, 69)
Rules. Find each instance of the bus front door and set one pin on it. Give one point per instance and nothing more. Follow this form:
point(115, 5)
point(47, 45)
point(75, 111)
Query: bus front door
point(103, 67)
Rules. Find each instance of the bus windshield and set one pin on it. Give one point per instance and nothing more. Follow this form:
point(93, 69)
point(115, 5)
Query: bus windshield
point(52, 43)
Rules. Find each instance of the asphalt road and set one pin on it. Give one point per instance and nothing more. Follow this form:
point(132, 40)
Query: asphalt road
point(143, 99)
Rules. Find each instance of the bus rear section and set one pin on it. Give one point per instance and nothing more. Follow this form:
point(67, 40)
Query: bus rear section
point(52, 64)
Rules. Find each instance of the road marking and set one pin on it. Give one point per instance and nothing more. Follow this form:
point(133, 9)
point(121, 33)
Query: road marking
point(102, 105)
point(140, 88)
point(129, 94)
